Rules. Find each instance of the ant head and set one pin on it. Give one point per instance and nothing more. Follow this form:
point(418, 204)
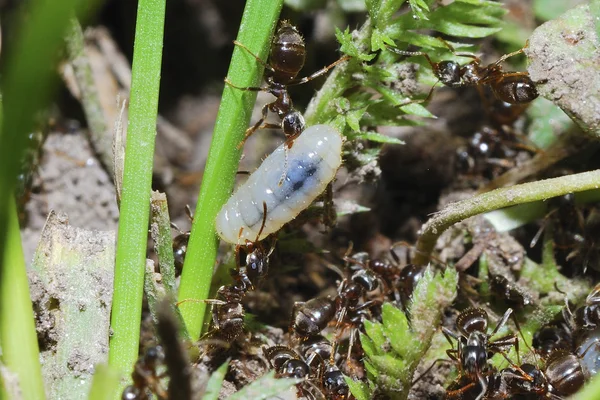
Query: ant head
point(257, 264)
point(448, 72)
point(293, 123)
point(288, 53)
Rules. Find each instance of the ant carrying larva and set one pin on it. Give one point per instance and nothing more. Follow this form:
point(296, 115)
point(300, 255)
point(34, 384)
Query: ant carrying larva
point(286, 59)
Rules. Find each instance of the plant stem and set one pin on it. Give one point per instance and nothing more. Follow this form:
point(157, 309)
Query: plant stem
point(496, 199)
point(135, 204)
point(257, 26)
point(100, 136)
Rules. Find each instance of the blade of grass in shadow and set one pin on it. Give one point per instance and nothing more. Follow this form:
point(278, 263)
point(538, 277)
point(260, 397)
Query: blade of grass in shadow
point(26, 87)
point(132, 236)
point(257, 26)
point(20, 351)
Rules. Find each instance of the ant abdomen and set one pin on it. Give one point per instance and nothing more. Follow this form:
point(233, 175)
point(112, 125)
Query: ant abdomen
point(288, 53)
point(515, 89)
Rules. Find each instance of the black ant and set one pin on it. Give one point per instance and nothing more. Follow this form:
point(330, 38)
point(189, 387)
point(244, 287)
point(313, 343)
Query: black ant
point(145, 377)
point(311, 317)
point(510, 87)
point(287, 55)
point(228, 312)
point(508, 291)
point(474, 346)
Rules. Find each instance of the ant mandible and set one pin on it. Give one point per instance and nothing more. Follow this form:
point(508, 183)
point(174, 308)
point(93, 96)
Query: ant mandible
point(287, 56)
point(510, 87)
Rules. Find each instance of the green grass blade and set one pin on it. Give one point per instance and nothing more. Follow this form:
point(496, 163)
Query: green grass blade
point(26, 87)
point(257, 26)
point(137, 178)
point(20, 351)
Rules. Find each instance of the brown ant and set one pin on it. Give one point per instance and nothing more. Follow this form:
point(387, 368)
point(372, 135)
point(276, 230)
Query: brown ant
point(287, 55)
point(145, 377)
point(510, 87)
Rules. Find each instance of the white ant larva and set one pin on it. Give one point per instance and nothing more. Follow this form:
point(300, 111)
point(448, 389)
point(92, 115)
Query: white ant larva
point(311, 165)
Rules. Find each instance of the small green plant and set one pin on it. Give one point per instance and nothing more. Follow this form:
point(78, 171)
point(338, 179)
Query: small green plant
point(394, 348)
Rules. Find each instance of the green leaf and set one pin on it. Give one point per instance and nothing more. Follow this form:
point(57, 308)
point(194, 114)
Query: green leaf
point(347, 45)
point(419, 7)
point(417, 109)
point(375, 332)
point(265, 387)
point(353, 118)
point(367, 345)
point(387, 364)
point(376, 137)
point(395, 328)
point(379, 40)
point(213, 387)
point(360, 390)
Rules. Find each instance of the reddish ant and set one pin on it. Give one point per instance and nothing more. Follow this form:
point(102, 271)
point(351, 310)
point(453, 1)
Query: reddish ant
point(287, 55)
point(510, 87)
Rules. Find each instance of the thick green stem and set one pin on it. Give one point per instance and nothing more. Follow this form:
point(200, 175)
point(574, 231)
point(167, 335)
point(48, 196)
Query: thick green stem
point(496, 199)
point(257, 26)
point(135, 202)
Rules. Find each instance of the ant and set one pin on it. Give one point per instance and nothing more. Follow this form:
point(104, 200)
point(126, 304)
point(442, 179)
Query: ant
point(287, 56)
point(508, 291)
point(311, 317)
point(510, 87)
point(287, 363)
point(474, 346)
point(228, 313)
point(145, 377)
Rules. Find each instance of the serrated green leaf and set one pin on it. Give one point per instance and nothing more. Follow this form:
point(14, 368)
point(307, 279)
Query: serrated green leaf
point(387, 364)
point(370, 368)
point(213, 387)
point(367, 345)
point(419, 7)
point(418, 110)
point(265, 387)
point(464, 30)
point(375, 332)
point(395, 328)
point(379, 40)
point(377, 137)
point(353, 118)
point(360, 390)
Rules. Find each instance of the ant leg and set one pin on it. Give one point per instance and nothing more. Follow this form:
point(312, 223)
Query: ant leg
point(250, 131)
point(396, 50)
point(454, 393)
point(514, 53)
point(502, 321)
point(483, 384)
point(248, 88)
point(459, 54)
point(264, 64)
point(320, 72)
